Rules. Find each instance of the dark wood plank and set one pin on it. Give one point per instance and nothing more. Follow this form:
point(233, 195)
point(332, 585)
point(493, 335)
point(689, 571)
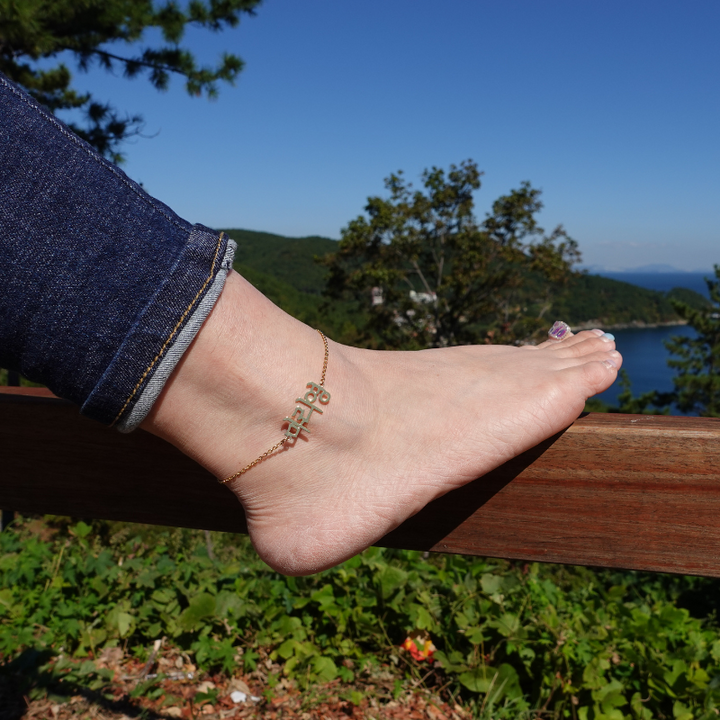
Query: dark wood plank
point(57, 461)
point(624, 491)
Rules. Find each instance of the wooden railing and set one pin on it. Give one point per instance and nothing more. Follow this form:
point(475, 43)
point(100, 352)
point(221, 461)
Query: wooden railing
point(628, 491)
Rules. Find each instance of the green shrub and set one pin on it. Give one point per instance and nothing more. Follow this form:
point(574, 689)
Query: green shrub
point(517, 638)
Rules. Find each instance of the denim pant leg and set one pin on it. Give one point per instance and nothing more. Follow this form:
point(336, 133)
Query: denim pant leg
point(102, 287)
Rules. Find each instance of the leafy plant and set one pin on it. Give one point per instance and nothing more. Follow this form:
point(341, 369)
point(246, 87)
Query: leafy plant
point(512, 639)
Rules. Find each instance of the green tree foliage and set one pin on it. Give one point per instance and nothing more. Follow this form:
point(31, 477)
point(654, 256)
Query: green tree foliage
point(697, 382)
point(36, 33)
point(432, 275)
point(276, 265)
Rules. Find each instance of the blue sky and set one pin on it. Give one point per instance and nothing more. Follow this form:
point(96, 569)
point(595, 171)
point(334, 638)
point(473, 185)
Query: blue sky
point(612, 108)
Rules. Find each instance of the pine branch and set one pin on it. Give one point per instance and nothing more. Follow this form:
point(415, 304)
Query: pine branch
point(130, 61)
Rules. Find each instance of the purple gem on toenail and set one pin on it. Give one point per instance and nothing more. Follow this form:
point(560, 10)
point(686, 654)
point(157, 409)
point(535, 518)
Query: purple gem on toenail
point(558, 330)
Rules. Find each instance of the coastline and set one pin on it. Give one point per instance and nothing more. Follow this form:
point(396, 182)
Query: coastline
point(634, 324)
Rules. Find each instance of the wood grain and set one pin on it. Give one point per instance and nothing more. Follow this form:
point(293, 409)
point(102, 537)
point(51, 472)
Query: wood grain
point(627, 491)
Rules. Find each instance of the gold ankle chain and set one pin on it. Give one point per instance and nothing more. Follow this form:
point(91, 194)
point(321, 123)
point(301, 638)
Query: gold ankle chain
point(300, 417)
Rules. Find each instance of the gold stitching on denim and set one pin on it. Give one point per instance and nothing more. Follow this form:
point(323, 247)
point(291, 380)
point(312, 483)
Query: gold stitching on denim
point(172, 334)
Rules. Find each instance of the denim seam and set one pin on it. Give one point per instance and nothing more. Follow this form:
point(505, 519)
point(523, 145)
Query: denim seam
point(172, 333)
point(59, 126)
point(154, 386)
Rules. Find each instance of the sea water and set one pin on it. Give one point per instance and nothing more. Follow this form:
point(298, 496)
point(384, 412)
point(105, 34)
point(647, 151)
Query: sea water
point(644, 353)
point(645, 359)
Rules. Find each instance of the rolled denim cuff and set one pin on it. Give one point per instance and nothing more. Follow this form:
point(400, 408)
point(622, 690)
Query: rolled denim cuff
point(149, 389)
point(162, 332)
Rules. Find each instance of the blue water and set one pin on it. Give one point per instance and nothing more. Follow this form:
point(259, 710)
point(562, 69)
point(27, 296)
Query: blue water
point(644, 354)
point(645, 359)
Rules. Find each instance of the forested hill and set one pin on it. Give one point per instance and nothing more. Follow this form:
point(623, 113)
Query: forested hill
point(613, 303)
point(285, 270)
point(288, 259)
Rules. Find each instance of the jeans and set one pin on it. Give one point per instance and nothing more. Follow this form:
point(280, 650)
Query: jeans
point(102, 287)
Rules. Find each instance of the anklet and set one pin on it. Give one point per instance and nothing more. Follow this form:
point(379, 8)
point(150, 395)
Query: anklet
point(299, 419)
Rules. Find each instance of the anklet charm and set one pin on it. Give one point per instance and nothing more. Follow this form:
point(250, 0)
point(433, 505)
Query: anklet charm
point(298, 420)
point(300, 417)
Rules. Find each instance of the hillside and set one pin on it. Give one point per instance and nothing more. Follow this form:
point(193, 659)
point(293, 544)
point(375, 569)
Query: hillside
point(287, 259)
point(612, 302)
point(284, 269)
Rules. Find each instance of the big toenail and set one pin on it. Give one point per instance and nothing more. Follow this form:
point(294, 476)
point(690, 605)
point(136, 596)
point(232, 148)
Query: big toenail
point(607, 337)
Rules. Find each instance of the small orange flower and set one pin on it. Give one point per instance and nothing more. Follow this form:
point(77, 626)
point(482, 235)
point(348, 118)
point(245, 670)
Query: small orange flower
point(419, 645)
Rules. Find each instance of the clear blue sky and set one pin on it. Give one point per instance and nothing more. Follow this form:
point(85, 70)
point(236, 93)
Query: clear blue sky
point(612, 108)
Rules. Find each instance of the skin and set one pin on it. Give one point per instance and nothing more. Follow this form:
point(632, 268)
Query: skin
point(401, 428)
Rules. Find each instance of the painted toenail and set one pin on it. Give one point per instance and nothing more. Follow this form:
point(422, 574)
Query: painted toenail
point(597, 331)
point(610, 364)
point(608, 337)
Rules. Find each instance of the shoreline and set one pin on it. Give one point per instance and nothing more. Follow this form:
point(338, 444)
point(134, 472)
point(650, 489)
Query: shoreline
point(633, 324)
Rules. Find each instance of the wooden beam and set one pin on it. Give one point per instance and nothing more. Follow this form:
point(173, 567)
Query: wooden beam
point(626, 491)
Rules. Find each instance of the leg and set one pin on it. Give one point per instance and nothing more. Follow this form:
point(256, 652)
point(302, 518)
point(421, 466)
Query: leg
point(402, 428)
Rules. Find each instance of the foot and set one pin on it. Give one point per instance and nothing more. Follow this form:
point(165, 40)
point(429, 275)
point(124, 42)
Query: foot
point(401, 428)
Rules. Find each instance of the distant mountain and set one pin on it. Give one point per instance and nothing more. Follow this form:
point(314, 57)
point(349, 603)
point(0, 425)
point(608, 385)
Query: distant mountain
point(664, 269)
point(655, 268)
point(652, 268)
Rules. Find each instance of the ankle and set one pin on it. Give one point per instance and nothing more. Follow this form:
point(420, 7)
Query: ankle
point(225, 402)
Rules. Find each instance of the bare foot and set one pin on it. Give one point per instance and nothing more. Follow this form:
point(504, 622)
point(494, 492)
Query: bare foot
point(401, 428)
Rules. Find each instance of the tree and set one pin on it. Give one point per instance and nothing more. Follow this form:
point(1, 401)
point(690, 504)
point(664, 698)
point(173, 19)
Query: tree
point(697, 383)
point(430, 275)
point(32, 32)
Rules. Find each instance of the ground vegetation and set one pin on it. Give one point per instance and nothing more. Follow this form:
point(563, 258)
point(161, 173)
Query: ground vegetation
point(171, 622)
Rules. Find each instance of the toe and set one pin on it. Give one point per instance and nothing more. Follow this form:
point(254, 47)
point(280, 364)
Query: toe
point(609, 356)
point(598, 374)
point(586, 346)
